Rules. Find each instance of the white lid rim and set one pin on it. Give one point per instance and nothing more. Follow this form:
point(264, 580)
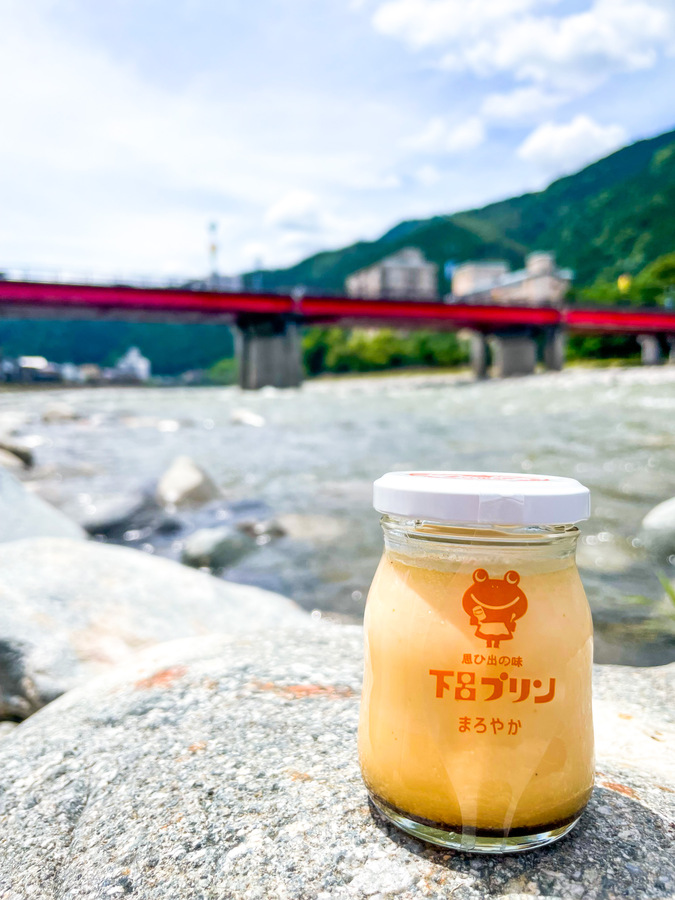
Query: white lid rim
point(482, 498)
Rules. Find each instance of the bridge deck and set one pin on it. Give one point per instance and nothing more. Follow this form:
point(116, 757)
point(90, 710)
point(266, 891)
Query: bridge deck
point(26, 299)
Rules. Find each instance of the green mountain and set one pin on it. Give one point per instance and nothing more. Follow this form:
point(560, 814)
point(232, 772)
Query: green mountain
point(614, 216)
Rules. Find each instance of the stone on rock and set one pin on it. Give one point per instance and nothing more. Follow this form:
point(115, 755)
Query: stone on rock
point(227, 768)
point(20, 451)
point(23, 514)
point(658, 530)
point(216, 548)
point(60, 412)
point(10, 461)
point(69, 609)
point(115, 515)
point(186, 484)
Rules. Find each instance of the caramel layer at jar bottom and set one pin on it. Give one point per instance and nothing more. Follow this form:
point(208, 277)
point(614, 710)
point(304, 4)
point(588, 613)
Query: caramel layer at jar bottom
point(484, 832)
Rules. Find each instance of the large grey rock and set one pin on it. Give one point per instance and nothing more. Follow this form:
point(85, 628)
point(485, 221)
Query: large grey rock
point(658, 530)
point(226, 768)
point(69, 609)
point(216, 548)
point(186, 484)
point(23, 514)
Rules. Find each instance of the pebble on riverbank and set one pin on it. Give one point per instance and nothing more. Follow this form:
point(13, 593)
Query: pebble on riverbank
point(185, 483)
point(216, 548)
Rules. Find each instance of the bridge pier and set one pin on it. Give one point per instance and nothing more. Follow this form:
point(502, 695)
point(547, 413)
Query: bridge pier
point(554, 349)
point(650, 350)
point(478, 354)
point(269, 353)
point(513, 354)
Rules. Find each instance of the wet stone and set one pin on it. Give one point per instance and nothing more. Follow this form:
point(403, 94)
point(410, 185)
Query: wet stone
point(197, 771)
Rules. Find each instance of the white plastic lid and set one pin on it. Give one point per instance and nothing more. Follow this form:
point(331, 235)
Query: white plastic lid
point(485, 498)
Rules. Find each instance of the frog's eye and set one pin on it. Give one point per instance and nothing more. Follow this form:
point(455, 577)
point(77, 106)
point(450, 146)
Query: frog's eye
point(480, 575)
point(512, 577)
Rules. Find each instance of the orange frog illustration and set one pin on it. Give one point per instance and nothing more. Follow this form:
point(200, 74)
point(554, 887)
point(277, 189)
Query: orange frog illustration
point(494, 605)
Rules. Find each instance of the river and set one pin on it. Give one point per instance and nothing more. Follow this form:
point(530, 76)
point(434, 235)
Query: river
point(321, 446)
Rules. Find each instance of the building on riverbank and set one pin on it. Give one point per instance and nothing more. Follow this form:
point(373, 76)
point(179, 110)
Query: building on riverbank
point(406, 275)
point(540, 283)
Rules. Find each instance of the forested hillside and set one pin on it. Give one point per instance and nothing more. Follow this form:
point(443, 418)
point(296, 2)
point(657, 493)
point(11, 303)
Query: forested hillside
point(614, 216)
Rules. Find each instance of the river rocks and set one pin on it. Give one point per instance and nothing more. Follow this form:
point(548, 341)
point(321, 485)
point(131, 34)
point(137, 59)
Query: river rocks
point(186, 484)
point(23, 514)
point(658, 530)
point(315, 529)
point(227, 768)
point(19, 451)
point(11, 462)
point(72, 608)
point(606, 552)
point(262, 530)
point(60, 412)
point(216, 548)
point(117, 515)
point(246, 417)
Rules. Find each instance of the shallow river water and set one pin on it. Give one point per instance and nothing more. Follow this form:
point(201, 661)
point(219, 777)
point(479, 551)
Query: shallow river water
point(321, 446)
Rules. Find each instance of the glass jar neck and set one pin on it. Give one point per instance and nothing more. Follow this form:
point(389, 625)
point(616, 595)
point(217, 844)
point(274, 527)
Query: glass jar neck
point(405, 535)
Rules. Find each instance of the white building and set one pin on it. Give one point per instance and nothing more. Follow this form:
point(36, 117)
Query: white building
point(406, 275)
point(133, 365)
point(540, 283)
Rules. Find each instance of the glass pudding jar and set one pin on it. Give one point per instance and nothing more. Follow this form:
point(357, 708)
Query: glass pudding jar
point(476, 725)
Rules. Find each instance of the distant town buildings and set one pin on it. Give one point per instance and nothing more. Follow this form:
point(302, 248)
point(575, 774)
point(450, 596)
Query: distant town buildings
point(132, 368)
point(406, 275)
point(540, 283)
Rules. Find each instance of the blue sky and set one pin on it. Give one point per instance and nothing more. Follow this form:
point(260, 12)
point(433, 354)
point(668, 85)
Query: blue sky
point(298, 125)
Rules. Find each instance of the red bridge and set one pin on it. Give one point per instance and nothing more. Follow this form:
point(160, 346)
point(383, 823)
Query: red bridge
point(268, 322)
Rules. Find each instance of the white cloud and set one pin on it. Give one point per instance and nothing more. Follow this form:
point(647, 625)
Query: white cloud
point(558, 149)
point(428, 175)
point(576, 51)
point(441, 136)
point(521, 104)
point(296, 211)
point(425, 23)
point(111, 170)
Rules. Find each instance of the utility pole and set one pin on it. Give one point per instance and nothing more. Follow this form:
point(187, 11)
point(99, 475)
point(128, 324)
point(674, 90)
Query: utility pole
point(213, 250)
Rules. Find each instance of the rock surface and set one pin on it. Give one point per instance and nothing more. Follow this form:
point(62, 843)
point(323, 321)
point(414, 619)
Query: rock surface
point(186, 484)
point(24, 515)
point(216, 548)
point(658, 530)
point(226, 768)
point(69, 609)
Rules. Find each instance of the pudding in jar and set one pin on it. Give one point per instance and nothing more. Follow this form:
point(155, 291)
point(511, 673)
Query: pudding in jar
point(476, 723)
